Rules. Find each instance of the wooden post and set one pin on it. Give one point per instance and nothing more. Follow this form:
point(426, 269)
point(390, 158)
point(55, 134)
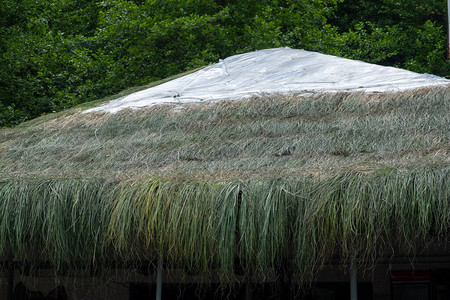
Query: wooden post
point(159, 279)
point(353, 280)
point(9, 281)
point(248, 287)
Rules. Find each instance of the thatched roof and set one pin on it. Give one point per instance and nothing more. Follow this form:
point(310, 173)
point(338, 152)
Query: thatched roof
point(261, 181)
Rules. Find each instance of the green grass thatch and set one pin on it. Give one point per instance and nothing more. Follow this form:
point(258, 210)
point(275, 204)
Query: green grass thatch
point(277, 136)
point(201, 227)
point(279, 182)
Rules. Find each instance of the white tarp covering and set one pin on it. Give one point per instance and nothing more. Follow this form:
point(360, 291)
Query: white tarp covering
point(280, 70)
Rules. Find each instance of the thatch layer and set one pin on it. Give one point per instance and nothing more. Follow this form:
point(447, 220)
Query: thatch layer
point(199, 227)
point(279, 182)
point(62, 221)
point(258, 138)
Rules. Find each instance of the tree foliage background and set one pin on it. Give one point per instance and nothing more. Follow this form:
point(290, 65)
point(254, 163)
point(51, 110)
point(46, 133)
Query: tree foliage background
point(58, 53)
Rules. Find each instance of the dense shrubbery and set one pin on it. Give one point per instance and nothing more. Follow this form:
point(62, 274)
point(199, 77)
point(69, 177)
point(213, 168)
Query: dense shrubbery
point(59, 53)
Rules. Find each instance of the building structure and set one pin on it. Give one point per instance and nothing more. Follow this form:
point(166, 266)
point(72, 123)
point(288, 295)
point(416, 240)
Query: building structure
point(269, 196)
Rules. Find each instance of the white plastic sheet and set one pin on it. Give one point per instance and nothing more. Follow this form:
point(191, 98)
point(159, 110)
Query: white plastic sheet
point(280, 70)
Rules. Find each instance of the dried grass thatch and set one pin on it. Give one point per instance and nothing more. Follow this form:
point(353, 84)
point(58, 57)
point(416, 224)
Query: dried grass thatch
point(252, 184)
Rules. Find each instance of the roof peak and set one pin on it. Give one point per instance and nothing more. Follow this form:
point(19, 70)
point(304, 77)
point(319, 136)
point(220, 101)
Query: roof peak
point(277, 70)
